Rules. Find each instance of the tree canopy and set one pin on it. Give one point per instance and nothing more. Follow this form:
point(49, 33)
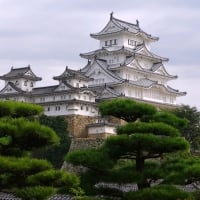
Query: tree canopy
point(59, 125)
point(192, 131)
point(20, 135)
point(139, 152)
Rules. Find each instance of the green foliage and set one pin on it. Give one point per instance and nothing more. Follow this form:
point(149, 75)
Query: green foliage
point(196, 195)
point(6, 140)
point(27, 165)
point(158, 128)
point(188, 170)
point(106, 191)
point(126, 109)
point(16, 170)
point(20, 134)
point(128, 146)
point(91, 158)
point(138, 153)
point(124, 172)
point(25, 135)
point(192, 131)
point(59, 125)
point(37, 192)
point(18, 109)
point(56, 178)
point(164, 192)
point(167, 117)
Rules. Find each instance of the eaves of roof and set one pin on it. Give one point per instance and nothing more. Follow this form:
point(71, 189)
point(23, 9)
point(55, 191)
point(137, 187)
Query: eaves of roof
point(70, 101)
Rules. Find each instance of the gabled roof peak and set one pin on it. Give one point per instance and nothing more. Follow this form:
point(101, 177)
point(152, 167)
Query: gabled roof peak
point(115, 26)
point(71, 74)
point(23, 72)
point(111, 15)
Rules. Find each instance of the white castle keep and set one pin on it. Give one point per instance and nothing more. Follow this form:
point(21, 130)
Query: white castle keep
point(123, 66)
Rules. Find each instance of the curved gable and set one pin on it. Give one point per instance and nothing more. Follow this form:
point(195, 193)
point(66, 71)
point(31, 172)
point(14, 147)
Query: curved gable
point(98, 71)
point(10, 89)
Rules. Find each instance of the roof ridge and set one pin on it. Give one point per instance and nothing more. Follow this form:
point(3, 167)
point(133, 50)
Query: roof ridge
point(28, 67)
point(126, 22)
point(106, 70)
point(15, 87)
point(46, 87)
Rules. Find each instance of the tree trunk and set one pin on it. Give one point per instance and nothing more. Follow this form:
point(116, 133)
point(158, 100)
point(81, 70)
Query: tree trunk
point(139, 164)
point(143, 183)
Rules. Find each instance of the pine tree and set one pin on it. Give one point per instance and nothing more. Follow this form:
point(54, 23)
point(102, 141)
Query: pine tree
point(20, 134)
point(139, 153)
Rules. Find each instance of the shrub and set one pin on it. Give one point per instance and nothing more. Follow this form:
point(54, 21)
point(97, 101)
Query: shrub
point(37, 192)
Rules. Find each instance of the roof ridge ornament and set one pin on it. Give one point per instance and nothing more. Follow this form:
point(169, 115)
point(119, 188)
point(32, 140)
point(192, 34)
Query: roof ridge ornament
point(111, 15)
point(137, 22)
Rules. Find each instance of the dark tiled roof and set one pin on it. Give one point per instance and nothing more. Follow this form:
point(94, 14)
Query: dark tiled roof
point(19, 73)
point(170, 89)
point(120, 26)
point(99, 90)
point(14, 87)
point(103, 65)
point(69, 73)
point(61, 197)
point(87, 67)
point(129, 51)
point(44, 90)
point(144, 82)
point(150, 54)
point(156, 66)
point(8, 196)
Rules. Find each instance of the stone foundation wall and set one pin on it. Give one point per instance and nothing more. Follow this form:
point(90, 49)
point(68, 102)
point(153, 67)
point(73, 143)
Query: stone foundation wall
point(115, 120)
point(77, 125)
point(100, 135)
point(84, 143)
point(77, 144)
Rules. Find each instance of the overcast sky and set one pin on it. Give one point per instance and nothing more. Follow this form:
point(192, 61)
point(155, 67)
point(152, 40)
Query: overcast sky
point(50, 34)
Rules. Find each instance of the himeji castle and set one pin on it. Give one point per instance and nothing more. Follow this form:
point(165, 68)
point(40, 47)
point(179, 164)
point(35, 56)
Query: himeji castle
point(123, 66)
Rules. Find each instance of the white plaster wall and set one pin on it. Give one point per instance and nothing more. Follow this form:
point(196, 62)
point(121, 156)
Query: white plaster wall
point(77, 83)
point(130, 74)
point(131, 37)
point(17, 98)
point(111, 37)
point(99, 76)
point(152, 94)
point(158, 95)
point(101, 129)
point(145, 63)
point(122, 40)
point(64, 96)
point(66, 109)
point(21, 84)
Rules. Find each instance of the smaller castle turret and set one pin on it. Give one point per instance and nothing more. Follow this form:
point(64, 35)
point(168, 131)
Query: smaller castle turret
point(21, 78)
